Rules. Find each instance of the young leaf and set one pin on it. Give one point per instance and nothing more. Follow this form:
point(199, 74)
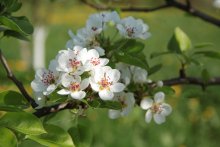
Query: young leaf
point(182, 39)
point(23, 122)
point(154, 69)
point(179, 42)
point(8, 138)
point(55, 137)
point(131, 59)
point(202, 45)
point(166, 89)
point(153, 55)
point(98, 103)
point(4, 107)
point(133, 46)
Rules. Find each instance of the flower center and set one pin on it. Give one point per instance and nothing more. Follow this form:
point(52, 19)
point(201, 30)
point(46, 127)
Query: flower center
point(95, 61)
point(48, 78)
point(94, 28)
point(105, 83)
point(156, 108)
point(130, 31)
point(74, 64)
point(74, 86)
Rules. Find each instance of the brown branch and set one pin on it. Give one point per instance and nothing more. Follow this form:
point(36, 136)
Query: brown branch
point(59, 107)
point(169, 3)
point(16, 81)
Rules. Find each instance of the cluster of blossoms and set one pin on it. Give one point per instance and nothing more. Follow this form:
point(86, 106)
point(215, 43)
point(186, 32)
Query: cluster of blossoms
point(81, 69)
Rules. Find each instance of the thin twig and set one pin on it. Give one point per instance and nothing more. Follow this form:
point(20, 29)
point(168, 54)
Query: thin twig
point(169, 3)
point(59, 107)
point(16, 81)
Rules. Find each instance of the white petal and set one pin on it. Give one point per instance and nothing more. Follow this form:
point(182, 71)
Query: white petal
point(166, 109)
point(93, 53)
point(159, 97)
point(146, 103)
point(106, 95)
point(104, 61)
point(100, 50)
point(159, 118)
point(78, 95)
point(37, 86)
point(66, 79)
point(50, 89)
point(114, 75)
point(117, 87)
point(148, 116)
point(95, 86)
point(63, 92)
point(113, 114)
point(84, 84)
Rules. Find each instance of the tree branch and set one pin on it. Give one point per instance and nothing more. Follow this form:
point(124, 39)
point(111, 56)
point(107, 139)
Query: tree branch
point(16, 81)
point(169, 3)
point(58, 107)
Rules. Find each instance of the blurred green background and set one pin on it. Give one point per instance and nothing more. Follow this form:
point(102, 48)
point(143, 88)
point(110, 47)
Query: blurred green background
point(195, 120)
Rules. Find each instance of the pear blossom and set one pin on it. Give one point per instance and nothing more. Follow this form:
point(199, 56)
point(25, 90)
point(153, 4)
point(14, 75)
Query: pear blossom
point(139, 75)
point(70, 61)
point(97, 22)
point(105, 82)
point(125, 72)
point(130, 27)
point(156, 108)
point(46, 81)
point(73, 86)
point(91, 60)
point(127, 101)
point(86, 39)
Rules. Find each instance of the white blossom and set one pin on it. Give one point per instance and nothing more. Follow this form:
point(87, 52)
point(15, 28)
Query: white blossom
point(133, 28)
point(125, 72)
point(91, 60)
point(46, 81)
point(98, 22)
point(156, 108)
point(70, 61)
point(105, 82)
point(73, 86)
point(40, 99)
point(127, 101)
point(86, 39)
point(139, 75)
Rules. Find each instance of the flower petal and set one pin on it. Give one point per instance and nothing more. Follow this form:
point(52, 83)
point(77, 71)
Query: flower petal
point(78, 95)
point(166, 109)
point(159, 97)
point(113, 114)
point(146, 103)
point(106, 95)
point(63, 92)
point(148, 116)
point(159, 118)
point(93, 53)
point(117, 87)
point(114, 75)
point(84, 84)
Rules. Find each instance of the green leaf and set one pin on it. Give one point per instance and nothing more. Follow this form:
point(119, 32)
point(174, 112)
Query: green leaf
point(182, 39)
point(18, 24)
point(81, 135)
point(166, 89)
point(210, 54)
point(154, 69)
point(8, 138)
point(131, 59)
point(133, 46)
point(9, 108)
point(154, 55)
point(23, 122)
point(179, 42)
point(10, 33)
point(55, 137)
point(202, 45)
point(14, 99)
